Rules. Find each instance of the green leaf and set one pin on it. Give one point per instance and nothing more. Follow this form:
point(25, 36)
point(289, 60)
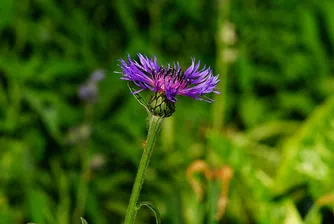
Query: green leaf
point(308, 155)
point(313, 216)
point(83, 221)
point(138, 97)
point(38, 205)
point(291, 214)
point(153, 209)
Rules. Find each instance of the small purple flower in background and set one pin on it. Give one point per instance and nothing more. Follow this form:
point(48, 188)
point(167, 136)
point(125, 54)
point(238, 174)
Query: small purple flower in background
point(88, 91)
point(97, 75)
point(171, 79)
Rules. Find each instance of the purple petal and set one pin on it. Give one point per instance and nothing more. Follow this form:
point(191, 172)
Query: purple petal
point(147, 74)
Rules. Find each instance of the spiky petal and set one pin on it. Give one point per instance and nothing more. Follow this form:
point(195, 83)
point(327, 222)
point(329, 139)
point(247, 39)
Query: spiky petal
point(171, 80)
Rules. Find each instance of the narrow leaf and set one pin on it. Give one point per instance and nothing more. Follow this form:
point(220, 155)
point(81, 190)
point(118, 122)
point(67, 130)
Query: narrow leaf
point(83, 221)
point(153, 209)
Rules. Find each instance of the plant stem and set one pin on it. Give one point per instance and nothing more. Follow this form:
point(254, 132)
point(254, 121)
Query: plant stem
point(153, 132)
point(83, 183)
point(219, 107)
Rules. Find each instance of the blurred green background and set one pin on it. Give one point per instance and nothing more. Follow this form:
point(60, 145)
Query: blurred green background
point(70, 144)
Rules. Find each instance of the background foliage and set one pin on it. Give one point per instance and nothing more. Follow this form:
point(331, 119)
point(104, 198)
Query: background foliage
point(268, 140)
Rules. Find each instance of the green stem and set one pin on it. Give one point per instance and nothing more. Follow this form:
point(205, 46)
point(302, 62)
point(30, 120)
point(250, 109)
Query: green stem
point(83, 182)
point(153, 132)
point(219, 107)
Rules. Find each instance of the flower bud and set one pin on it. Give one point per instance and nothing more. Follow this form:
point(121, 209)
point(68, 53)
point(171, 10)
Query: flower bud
point(160, 106)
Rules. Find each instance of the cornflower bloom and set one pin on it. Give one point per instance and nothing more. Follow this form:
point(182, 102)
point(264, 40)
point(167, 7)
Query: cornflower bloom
point(168, 81)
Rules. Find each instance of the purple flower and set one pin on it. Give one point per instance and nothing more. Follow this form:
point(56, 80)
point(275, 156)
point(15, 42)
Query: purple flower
point(97, 75)
point(88, 91)
point(171, 79)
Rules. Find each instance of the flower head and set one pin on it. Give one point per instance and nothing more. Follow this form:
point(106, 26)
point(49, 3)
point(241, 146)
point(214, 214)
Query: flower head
point(88, 91)
point(169, 80)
